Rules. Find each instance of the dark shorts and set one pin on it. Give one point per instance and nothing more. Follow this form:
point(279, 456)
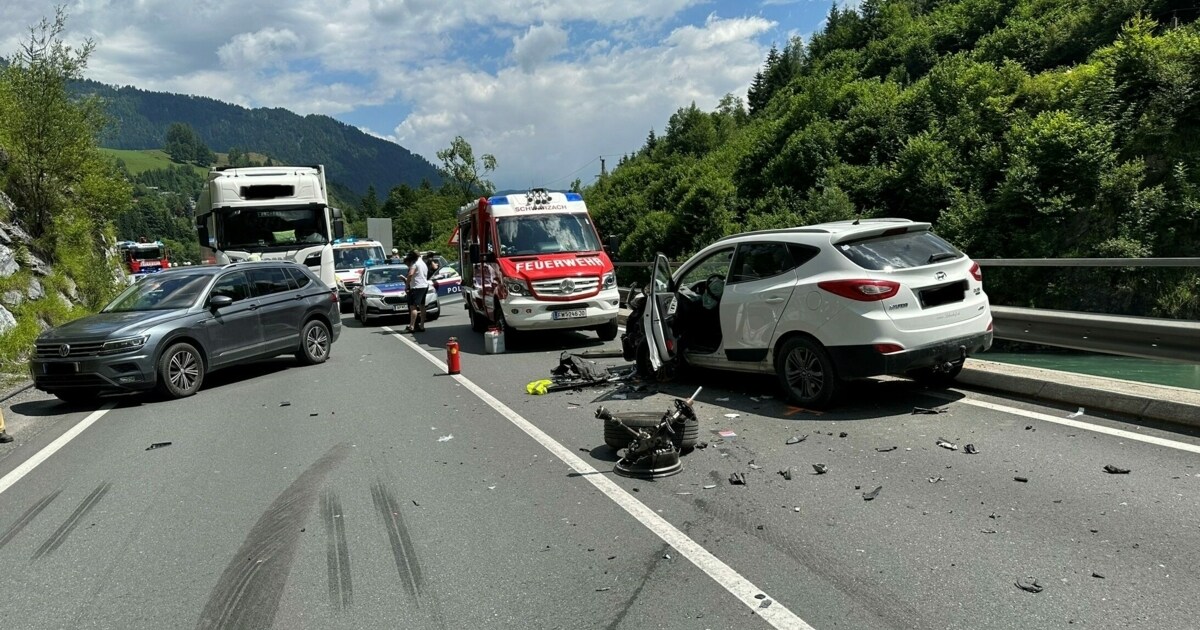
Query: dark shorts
point(416, 297)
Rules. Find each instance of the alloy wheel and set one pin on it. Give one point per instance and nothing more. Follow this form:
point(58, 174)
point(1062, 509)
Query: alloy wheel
point(183, 370)
point(317, 342)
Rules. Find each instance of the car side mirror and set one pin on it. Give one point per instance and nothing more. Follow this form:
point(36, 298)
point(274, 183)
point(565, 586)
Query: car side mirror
point(219, 301)
point(473, 254)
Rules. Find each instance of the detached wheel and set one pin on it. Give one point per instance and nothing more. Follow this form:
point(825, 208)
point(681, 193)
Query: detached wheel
point(806, 373)
point(930, 378)
point(78, 396)
point(315, 343)
point(617, 438)
point(180, 371)
point(608, 331)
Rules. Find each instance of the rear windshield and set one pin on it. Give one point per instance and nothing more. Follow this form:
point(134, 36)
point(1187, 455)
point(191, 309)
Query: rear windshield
point(899, 251)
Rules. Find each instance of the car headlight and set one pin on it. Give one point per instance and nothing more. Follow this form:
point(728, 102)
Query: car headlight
point(124, 345)
point(610, 280)
point(517, 287)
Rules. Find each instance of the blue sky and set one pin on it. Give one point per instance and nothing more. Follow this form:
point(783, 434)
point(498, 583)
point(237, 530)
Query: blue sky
point(546, 86)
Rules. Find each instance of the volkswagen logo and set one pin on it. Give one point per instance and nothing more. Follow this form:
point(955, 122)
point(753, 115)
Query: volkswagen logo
point(64, 350)
point(941, 275)
point(567, 286)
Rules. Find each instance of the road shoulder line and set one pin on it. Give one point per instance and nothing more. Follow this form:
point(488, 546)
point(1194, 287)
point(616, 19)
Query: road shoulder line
point(28, 465)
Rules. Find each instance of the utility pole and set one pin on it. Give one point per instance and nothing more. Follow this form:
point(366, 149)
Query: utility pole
point(603, 171)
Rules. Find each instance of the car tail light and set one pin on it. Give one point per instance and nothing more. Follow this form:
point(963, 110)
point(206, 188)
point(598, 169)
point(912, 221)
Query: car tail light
point(862, 290)
point(888, 348)
point(671, 346)
point(333, 296)
point(990, 326)
point(976, 272)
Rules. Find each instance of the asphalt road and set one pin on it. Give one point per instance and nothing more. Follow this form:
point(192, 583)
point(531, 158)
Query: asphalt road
point(351, 506)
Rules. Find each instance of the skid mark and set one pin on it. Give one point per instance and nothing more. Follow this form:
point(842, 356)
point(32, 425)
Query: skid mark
point(28, 516)
point(403, 551)
point(341, 589)
point(248, 592)
point(60, 535)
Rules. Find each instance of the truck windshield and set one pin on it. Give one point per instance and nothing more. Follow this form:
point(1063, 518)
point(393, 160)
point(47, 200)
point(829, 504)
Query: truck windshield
point(262, 228)
point(146, 253)
point(546, 234)
point(355, 257)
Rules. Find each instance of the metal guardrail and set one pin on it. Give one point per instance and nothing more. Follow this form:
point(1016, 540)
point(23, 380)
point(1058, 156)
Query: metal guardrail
point(1142, 337)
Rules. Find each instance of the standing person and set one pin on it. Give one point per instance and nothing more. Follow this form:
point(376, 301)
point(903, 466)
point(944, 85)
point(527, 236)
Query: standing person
point(418, 286)
point(395, 257)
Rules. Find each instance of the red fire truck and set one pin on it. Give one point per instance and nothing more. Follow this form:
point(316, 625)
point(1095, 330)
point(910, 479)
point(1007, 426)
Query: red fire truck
point(142, 258)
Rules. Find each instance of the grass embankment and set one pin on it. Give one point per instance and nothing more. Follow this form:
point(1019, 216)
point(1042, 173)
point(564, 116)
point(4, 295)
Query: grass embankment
point(140, 160)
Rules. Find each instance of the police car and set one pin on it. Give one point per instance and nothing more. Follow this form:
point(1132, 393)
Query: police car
point(446, 278)
point(384, 293)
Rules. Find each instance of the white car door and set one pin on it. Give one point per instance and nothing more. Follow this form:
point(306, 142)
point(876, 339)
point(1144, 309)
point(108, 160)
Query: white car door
point(659, 302)
point(757, 292)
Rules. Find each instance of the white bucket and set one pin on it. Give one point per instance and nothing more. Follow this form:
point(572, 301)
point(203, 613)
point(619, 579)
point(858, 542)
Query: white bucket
point(493, 342)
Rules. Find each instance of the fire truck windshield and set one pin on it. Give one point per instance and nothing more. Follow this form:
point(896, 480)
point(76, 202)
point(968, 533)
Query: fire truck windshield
point(145, 253)
point(546, 234)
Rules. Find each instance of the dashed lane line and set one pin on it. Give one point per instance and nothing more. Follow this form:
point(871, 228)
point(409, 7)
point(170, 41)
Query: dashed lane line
point(741, 588)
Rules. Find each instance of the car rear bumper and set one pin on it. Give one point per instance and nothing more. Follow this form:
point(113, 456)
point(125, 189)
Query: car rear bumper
point(864, 361)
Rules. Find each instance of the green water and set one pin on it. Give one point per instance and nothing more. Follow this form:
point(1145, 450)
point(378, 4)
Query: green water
point(1125, 368)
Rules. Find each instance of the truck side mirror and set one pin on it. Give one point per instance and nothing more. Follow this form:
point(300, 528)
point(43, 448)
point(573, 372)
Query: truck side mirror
point(339, 228)
point(202, 235)
point(473, 253)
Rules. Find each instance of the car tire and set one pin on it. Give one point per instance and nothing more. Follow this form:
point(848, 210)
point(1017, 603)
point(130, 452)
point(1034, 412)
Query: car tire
point(806, 373)
point(929, 378)
point(618, 438)
point(180, 371)
point(608, 332)
point(315, 343)
point(479, 324)
point(77, 396)
point(361, 314)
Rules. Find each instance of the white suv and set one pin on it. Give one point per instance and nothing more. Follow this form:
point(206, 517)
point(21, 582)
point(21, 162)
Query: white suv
point(817, 305)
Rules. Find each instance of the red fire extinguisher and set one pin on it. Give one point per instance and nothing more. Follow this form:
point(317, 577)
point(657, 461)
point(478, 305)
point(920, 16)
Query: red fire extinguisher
point(452, 358)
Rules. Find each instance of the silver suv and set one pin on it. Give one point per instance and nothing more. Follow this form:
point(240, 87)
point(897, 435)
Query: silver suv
point(170, 329)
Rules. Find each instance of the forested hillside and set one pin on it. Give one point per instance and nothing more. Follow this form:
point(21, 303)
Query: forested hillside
point(1020, 128)
point(356, 160)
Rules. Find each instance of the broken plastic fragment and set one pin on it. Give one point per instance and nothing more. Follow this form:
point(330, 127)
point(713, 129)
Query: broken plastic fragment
point(1113, 470)
point(988, 531)
point(843, 434)
point(1097, 575)
point(1078, 413)
point(157, 445)
point(1029, 584)
point(755, 466)
point(737, 479)
point(947, 445)
point(285, 404)
point(970, 449)
point(710, 486)
point(732, 415)
point(820, 468)
point(787, 474)
point(885, 449)
point(446, 438)
point(602, 589)
point(722, 400)
point(935, 479)
point(870, 496)
point(701, 445)
point(1021, 479)
point(796, 440)
point(726, 433)
point(929, 410)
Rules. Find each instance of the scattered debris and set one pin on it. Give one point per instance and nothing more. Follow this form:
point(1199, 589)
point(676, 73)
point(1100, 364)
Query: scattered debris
point(702, 445)
point(666, 556)
point(415, 503)
point(722, 400)
point(619, 397)
point(796, 440)
point(843, 434)
point(737, 479)
point(947, 445)
point(754, 466)
point(710, 486)
point(988, 531)
point(1078, 413)
point(1113, 470)
point(1021, 479)
point(935, 479)
point(683, 493)
point(602, 589)
point(446, 438)
point(970, 449)
point(766, 603)
point(726, 433)
point(930, 410)
point(786, 474)
point(1097, 575)
point(885, 449)
point(870, 496)
point(760, 596)
point(312, 415)
point(1029, 584)
point(732, 415)
point(285, 404)
point(820, 468)
point(157, 445)
point(1029, 427)
point(796, 509)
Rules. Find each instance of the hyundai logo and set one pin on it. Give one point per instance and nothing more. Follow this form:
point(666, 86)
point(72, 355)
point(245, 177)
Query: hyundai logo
point(64, 350)
point(567, 286)
point(941, 275)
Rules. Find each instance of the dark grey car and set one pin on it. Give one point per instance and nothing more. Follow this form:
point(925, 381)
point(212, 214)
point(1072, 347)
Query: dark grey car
point(170, 329)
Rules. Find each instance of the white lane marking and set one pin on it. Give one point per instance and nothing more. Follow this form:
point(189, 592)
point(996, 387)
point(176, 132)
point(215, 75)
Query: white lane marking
point(28, 465)
point(1037, 415)
point(743, 589)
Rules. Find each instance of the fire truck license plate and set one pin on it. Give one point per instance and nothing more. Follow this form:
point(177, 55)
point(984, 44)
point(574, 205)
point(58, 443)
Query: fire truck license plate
point(572, 314)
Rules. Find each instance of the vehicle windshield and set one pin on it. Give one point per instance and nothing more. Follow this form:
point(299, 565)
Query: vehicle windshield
point(388, 275)
point(355, 257)
point(265, 228)
point(899, 251)
point(146, 253)
point(546, 234)
point(161, 292)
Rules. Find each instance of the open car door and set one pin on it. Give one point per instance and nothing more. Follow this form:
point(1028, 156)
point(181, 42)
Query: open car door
point(660, 304)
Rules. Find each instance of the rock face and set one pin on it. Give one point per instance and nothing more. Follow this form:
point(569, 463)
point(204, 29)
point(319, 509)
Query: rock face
point(35, 290)
point(12, 298)
point(7, 321)
point(8, 262)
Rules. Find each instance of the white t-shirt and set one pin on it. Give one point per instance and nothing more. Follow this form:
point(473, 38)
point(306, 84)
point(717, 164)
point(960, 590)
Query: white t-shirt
point(420, 274)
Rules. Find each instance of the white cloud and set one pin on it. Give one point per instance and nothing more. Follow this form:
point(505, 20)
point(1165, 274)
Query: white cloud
point(260, 49)
point(538, 44)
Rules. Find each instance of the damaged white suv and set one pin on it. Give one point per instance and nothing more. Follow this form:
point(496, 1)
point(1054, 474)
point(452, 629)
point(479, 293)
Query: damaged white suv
point(817, 305)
